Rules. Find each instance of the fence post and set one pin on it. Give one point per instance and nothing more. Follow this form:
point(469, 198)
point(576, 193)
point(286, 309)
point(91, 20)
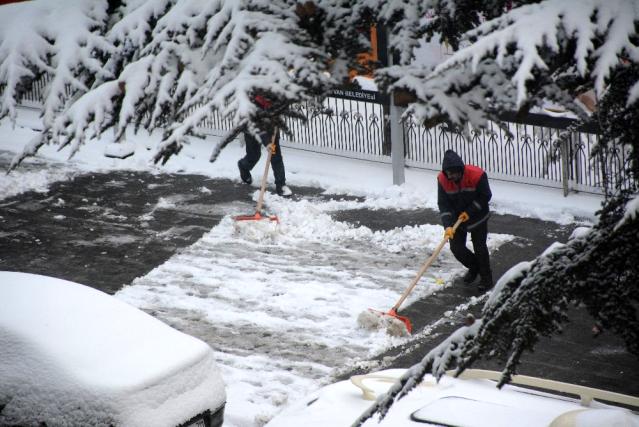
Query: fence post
point(396, 128)
point(576, 145)
point(565, 164)
point(397, 143)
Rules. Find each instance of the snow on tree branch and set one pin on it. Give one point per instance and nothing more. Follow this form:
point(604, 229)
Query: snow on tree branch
point(256, 50)
point(61, 38)
point(631, 213)
point(170, 64)
point(23, 54)
point(516, 55)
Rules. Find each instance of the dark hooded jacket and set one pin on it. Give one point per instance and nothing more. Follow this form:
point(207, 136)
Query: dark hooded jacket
point(471, 194)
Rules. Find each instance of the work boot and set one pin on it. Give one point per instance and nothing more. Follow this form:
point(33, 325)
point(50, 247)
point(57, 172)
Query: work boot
point(485, 283)
point(283, 190)
point(470, 276)
point(245, 174)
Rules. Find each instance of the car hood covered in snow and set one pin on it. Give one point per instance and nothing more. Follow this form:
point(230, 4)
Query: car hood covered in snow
point(70, 354)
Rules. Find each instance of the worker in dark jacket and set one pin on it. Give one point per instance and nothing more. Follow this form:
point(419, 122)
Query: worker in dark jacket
point(254, 151)
point(463, 192)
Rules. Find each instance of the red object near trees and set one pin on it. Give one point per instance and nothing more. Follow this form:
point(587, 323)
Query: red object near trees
point(262, 102)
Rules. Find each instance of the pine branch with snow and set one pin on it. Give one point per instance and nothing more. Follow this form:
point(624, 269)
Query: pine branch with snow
point(170, 64)
point(615, 111)
point(60, 39)
point(451, 19)
point(514, 58)
point(254, 49)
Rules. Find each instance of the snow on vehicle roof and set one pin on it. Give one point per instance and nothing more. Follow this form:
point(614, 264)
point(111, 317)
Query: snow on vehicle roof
point(71, 353)
point(451, 401)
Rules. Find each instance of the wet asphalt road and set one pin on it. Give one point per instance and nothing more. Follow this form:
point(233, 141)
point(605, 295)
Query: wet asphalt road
point(105, 230)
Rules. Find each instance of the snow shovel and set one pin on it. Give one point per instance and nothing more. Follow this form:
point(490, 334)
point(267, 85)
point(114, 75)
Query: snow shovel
point(260, 200)
point(393, 311)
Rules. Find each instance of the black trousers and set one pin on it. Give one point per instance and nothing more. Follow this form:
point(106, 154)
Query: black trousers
point(253, 153)
point(479, 260)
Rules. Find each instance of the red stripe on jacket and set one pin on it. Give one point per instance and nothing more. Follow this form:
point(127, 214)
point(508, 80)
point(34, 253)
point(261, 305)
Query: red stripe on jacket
point(470, 179)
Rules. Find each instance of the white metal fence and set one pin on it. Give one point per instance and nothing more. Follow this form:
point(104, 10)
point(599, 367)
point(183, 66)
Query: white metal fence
point(356, 124)
point(529, 151)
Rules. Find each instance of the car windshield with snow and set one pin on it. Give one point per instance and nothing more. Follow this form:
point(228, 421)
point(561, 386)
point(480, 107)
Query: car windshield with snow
point(470, 400)
point(72, 355)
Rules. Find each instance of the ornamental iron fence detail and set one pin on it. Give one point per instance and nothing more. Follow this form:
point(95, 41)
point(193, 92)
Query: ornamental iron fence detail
point(341, 126)
point(537, 149)
point(534, 149)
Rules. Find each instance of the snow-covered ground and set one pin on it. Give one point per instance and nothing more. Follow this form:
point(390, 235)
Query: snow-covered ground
point(279, 304)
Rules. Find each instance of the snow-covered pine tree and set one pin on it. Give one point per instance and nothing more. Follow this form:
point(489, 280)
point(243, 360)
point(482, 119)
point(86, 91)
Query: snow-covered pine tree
point(451, 19)
point(547, 51)
point(59, 39)
point(616, 110)
point(551, 50)
point(168, 64)
point(412, 21)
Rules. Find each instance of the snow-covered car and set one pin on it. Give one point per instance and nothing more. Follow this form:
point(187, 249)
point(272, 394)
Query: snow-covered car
point(72, 355)
point(470, 400)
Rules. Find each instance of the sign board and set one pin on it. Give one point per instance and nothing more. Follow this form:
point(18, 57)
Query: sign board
point(360, 95)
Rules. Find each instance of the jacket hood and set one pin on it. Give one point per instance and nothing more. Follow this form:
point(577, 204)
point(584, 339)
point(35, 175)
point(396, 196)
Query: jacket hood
point(452, 160)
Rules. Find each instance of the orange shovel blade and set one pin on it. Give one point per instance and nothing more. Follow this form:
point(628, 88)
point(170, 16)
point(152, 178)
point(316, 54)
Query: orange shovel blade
point(256, 217)
point(392, 313)
point(405, 320)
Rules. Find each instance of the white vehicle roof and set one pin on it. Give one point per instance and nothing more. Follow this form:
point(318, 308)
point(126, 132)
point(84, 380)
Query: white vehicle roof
point(453, 401)
point(70, 353)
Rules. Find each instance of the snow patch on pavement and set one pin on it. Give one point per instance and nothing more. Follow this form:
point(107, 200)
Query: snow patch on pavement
point(33, 176)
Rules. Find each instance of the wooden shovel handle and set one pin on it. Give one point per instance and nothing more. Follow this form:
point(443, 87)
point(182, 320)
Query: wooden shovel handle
point(424, 267)
point(260, 199)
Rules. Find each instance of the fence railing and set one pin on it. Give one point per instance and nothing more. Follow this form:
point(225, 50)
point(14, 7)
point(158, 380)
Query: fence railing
point(356, 124)
point(529, 151)
point(341, 125)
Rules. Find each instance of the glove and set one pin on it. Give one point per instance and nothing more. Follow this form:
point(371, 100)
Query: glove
point(463, 216)
point(272, 148)
point(449, 232)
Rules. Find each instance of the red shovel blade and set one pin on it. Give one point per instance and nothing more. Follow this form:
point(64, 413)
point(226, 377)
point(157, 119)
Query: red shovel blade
point(256, 217)
point(392, 313)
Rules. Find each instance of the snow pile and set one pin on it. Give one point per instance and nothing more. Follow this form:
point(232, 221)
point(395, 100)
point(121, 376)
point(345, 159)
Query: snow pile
point(72, 355)
point(33, 178)
point(371, 320)
point(257, 230)
point(36, 174)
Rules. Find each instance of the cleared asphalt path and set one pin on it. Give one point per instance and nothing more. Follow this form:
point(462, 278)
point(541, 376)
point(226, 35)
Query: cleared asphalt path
point(105, 230)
